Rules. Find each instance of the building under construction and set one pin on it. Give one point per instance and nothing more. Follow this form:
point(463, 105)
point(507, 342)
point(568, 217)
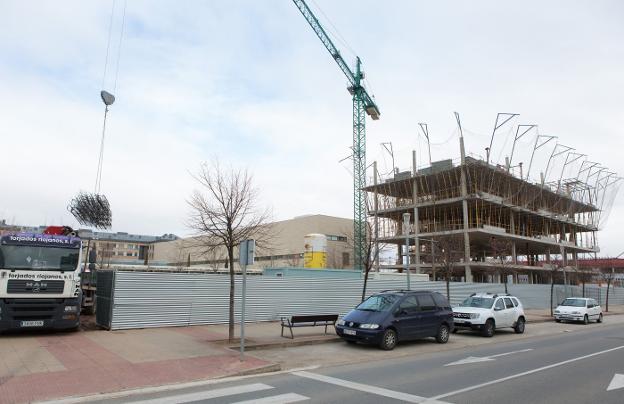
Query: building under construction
point(487, 219)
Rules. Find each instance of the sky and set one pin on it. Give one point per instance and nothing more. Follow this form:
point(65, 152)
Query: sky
point(249, 83)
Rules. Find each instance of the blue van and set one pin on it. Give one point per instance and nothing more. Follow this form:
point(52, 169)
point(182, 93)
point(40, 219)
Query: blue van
point(398, 315)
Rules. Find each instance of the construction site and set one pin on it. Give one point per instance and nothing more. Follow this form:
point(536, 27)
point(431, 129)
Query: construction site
point(472, 220)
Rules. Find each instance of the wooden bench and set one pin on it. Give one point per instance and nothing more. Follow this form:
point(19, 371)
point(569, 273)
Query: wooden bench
point(309, 321)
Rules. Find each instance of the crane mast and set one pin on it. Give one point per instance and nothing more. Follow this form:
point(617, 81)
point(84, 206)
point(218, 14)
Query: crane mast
point(362, 104)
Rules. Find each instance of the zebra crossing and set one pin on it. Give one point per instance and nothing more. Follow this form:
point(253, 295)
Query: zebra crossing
point(227, 392)
point(236, 394)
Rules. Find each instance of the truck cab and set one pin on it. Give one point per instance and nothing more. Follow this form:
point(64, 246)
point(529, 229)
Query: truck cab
point(40, 281)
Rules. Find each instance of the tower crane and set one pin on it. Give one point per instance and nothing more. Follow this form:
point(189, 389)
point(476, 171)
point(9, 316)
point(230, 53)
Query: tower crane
point(362, 103)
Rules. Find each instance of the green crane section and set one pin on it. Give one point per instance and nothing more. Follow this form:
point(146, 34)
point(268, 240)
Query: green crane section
point(362, 103)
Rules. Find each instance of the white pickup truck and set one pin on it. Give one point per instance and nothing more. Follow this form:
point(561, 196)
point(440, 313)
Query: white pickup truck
point(487, 312)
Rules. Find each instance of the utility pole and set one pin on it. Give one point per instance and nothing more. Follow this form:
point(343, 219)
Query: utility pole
point(246, 253)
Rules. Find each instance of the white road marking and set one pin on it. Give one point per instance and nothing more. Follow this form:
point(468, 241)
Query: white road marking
point(476, 359)
point(510, 353)
point(528, 372)
point(617, 382)
point(281, 399)
point(409, 398)
point(167, 387)
point(208, 394)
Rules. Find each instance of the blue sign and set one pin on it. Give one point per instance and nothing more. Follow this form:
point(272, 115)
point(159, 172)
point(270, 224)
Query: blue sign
point(40, 240)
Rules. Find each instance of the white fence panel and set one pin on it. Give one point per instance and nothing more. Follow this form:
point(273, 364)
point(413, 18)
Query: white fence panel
point(157, 299)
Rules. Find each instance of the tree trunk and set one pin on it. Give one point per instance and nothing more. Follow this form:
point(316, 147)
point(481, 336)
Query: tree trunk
point(505, 282)
point(607, 302)
point(448, 288)
point(552, 287)
point(583, 285)
point(231, 320)
point(365, 283)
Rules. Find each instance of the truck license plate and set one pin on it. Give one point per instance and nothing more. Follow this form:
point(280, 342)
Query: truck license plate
point(37, 323)
point(349, 332)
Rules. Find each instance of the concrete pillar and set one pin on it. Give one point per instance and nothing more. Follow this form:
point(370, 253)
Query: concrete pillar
point(416, 221)
point(512, 225)
point(464, 193)
point(376, 218)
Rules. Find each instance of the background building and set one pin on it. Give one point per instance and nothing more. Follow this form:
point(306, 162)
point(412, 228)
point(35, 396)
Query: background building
point(284, 247)
point(122, 247)
point(111, 248)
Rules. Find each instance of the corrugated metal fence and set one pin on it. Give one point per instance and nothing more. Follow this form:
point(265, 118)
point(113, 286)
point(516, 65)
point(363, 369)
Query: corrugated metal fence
point(156, 299)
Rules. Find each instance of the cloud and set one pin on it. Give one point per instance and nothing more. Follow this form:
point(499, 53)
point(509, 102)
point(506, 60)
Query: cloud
point(252, 85)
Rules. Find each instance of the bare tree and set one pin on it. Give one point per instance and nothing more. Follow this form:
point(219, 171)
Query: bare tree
point(370, 252)
point(584, 277)
point(370, 255)
point(607, 276)
point(450, 252)
point(555, 267)
point(224, 213)
point(294, 260)
point(501, 249)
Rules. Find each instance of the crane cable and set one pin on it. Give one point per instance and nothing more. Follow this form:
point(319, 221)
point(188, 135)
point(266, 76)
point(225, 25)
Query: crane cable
point(98, 178)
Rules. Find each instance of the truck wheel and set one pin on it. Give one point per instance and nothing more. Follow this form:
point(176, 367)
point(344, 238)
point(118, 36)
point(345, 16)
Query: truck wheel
point(519, 328)
point(89, 310)
point(488, 329)
point(443, 334)
point(388, 340)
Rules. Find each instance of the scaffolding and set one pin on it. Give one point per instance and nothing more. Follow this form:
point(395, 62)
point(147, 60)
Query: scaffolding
point(476, 201)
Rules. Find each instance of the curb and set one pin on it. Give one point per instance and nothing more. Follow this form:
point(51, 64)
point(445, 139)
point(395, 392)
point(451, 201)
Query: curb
point(286, 344)
point(273, 367)
point(540, 320)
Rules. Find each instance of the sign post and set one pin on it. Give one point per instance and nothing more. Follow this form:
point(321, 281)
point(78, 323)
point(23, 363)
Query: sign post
point(246, 252)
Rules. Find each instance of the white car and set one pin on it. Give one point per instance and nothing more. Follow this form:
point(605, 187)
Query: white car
point(487, 312)
point(578, 309)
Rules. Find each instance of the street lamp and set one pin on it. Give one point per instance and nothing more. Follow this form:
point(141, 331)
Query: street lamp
point(406, 221)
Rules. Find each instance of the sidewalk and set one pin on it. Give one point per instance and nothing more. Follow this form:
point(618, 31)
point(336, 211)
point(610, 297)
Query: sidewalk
point(42, 366)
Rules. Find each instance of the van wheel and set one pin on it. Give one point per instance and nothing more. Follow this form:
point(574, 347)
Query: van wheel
point(519, 328)
point(443, 334)
point(488, 329)
point(388, 340)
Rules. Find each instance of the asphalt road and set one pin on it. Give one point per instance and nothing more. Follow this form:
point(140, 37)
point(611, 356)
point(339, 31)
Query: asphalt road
point(575, 367)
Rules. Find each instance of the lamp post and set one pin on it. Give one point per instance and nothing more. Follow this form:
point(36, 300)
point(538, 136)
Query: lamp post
point(406, 221)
